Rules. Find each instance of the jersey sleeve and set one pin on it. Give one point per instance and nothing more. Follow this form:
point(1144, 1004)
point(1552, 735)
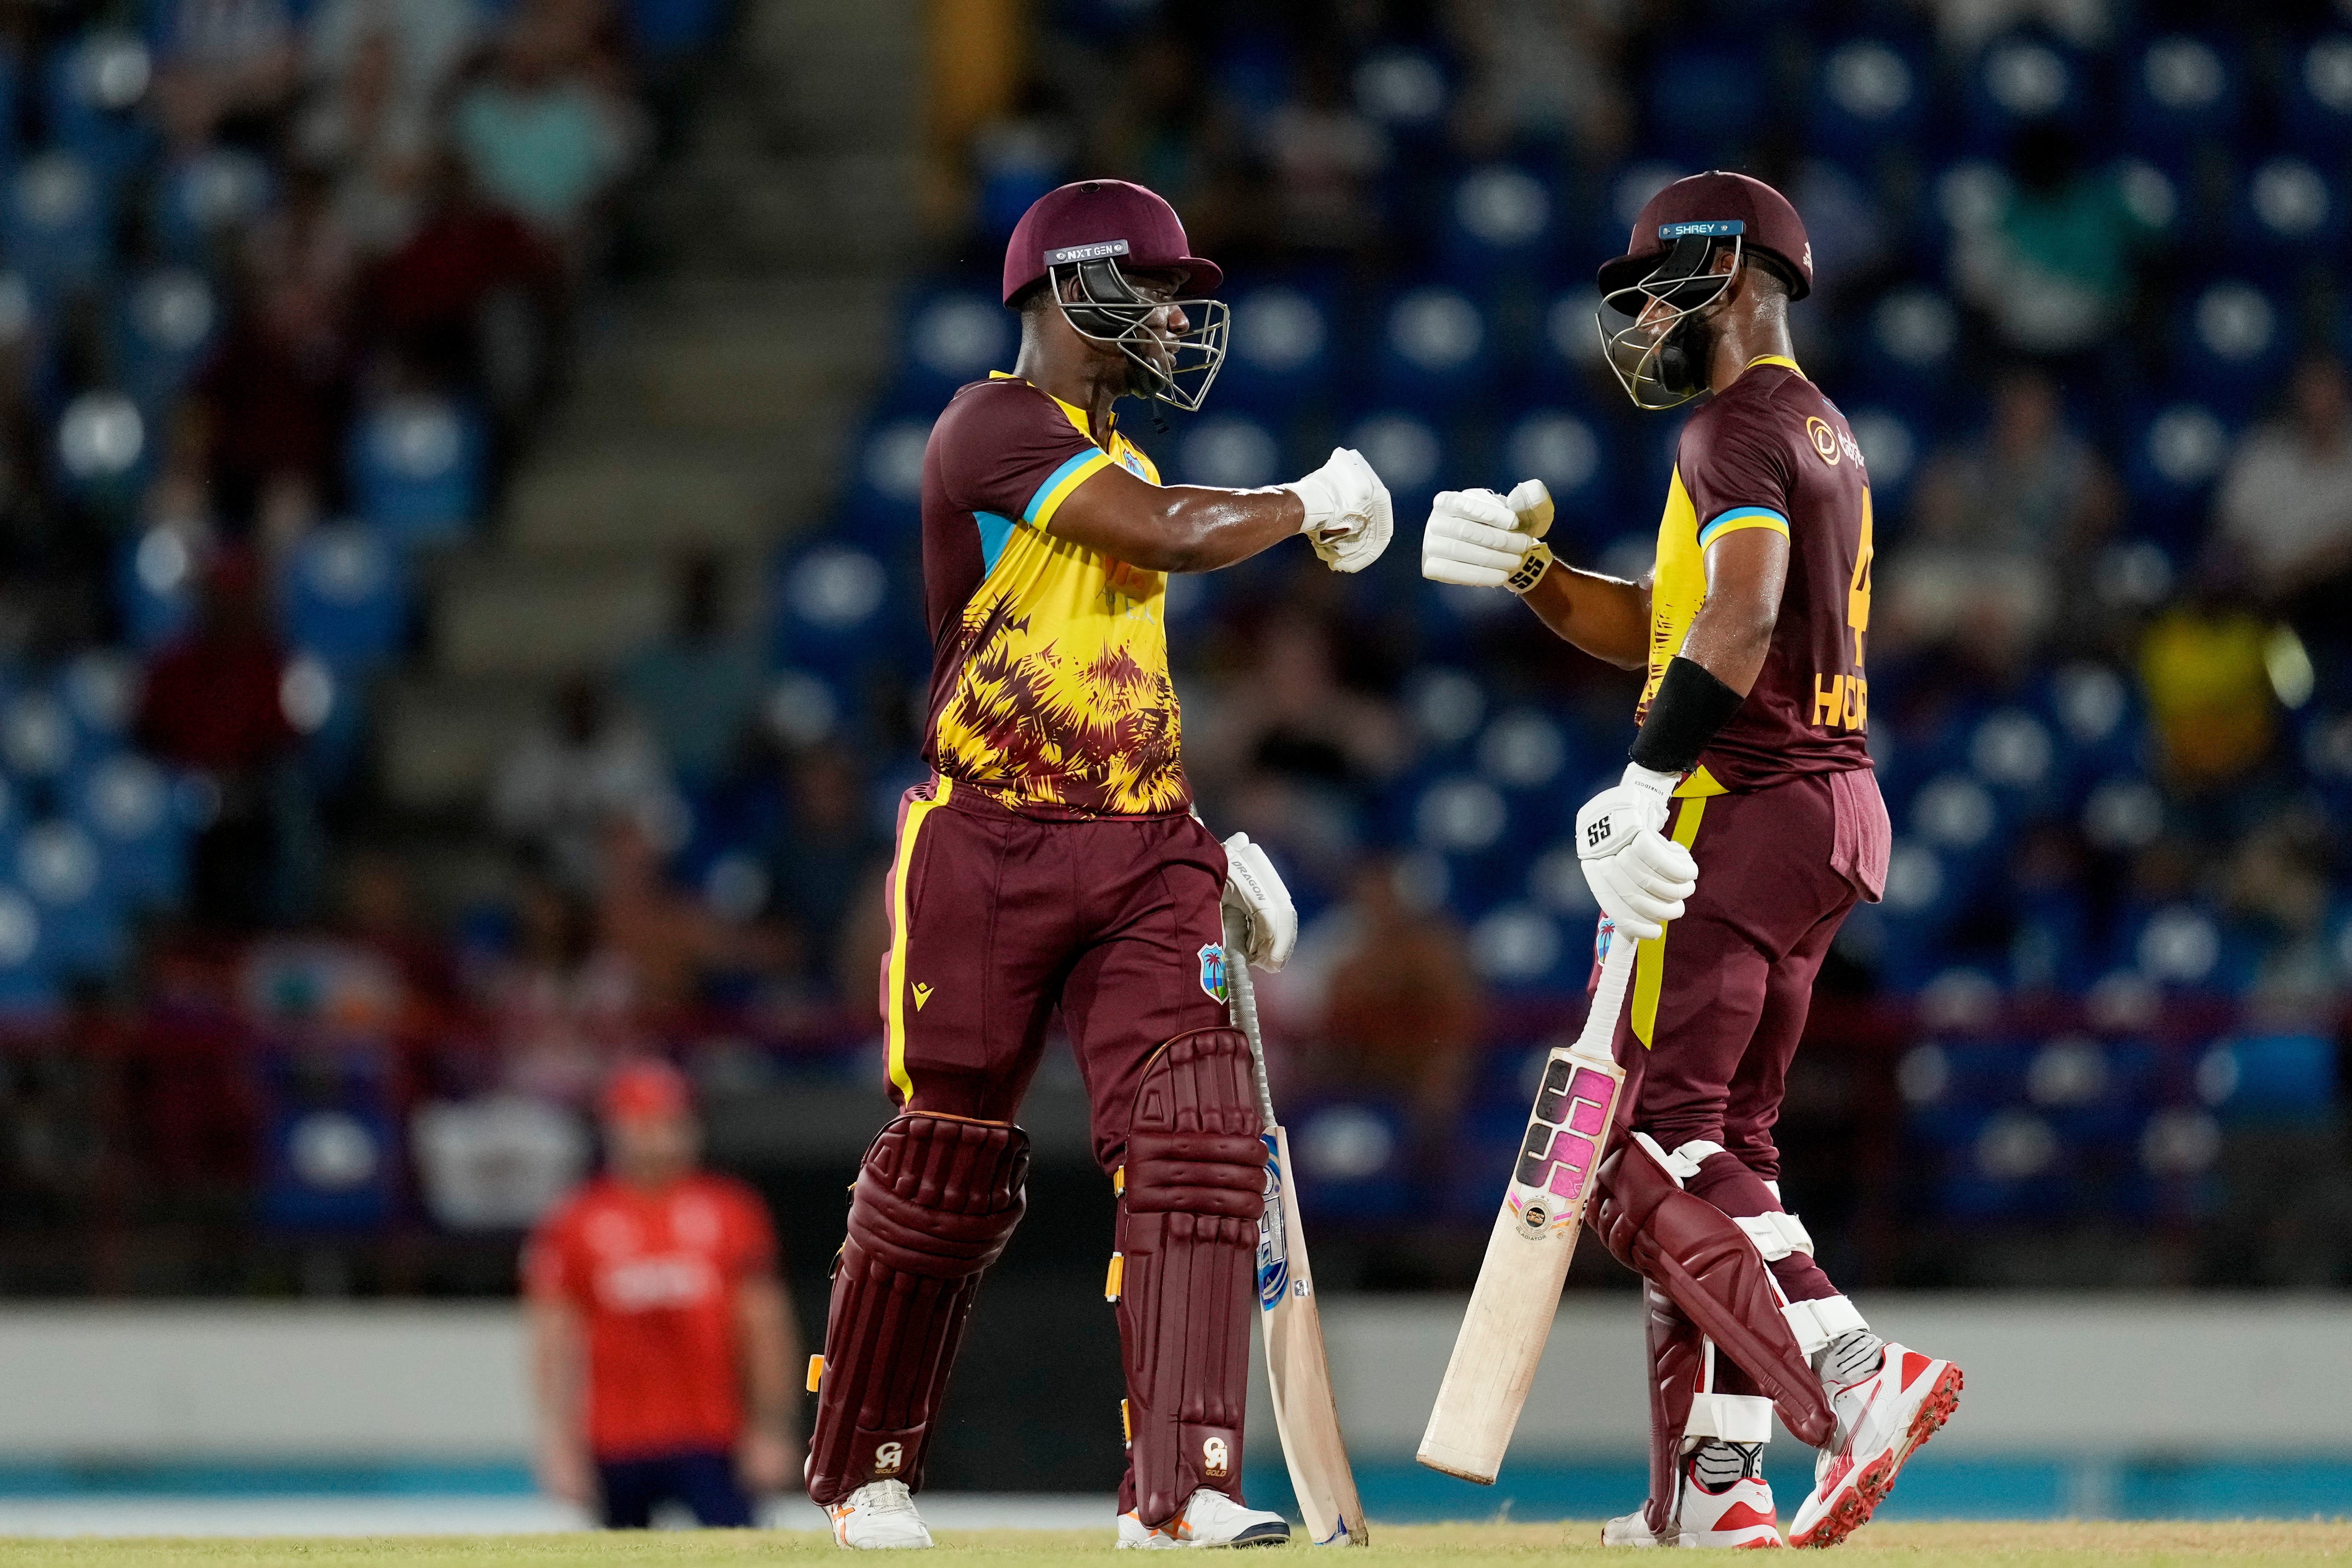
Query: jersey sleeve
point(1735, 466)
point(1007, 450)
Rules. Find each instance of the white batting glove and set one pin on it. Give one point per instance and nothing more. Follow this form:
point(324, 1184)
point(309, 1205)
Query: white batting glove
point(1269, 923)
point(1476, 539)
point(1640, 876)
point(1349, 516)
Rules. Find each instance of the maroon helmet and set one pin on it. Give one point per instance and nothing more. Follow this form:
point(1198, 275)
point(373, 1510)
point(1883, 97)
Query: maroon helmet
point(1098, 232)
point(1669, 262)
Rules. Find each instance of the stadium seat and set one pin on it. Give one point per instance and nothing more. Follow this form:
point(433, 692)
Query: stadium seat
point(1567, 364)
point(2172, 459)
point(2272, 1078)
point(2235, 342)
point(2180, 91)
point(1869, 97)
point(1904, 359)
point(157, 574)
point(331, 1166)
point(105, 450)
point(127, 806)
point(418, 468)
point(342, 596)
point(95, 86)
point(2019, 79)
point(38, 737)
point(1893, 449)
point(1569, 452)
point(1280, 356)
point(2316, 107)
point(1435, 348)
point(834, 615)
point(1403, 448)
point(204, 200)
point(951, 337)
point(164, 325)
point(1702, 105)
point(1355, 1160)
point(29, 984)
point(2286, 220)
point(1231, 450)
point(54, 224)
point(1405, 90)
point(59, 866)
point(1499, 222)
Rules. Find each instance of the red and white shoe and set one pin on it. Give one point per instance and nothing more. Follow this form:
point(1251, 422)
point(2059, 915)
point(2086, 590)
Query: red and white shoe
point(1882, 1419)
point(1740, 1516)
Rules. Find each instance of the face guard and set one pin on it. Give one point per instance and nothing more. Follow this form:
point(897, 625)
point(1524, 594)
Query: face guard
point(1661, 359)
point(1103, 308)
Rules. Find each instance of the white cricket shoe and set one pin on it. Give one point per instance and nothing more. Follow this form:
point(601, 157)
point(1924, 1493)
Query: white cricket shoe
point(1209, 1518)
point(878, 1516)
point(1882, 1419)
point(1740, 1516)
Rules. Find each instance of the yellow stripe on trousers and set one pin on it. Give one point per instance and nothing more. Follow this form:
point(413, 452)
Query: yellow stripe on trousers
point(1650, 957)
point(896, 1022)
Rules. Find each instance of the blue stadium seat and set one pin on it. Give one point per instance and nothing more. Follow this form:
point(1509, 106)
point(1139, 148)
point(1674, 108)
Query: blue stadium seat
point(106, 449)
point(2272, 1078)
point(1436, 347)
point(342, 596)
point(2017, 80)
point(2173, 456)
point(1404, 449)
point(38, 737)
point(1630, 187)
point(952, 336)
point(2287, 217)
point(1500, 220)
point(2234, 340)
point(1567, 365)
point(99, 687)
point(1231, 451)
point(29, 982)
point(128, 808)
point(418, 468)
point(94, 88)
point(1905, 354)
point(54, 224)
point(1870, 96)
point(886, 491)
point(1894, 449)
point(1280, 356)
point(1568, 451)
point(203, 201)
point(164, 325)
point(157, 571)
point(329, 1166)
point(2179, 91)
point(60, 866)
point(835, 613)
point(1354, 1159)
point(2316, 111)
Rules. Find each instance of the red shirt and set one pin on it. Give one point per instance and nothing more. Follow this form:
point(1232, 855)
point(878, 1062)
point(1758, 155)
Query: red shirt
point(654, 1276)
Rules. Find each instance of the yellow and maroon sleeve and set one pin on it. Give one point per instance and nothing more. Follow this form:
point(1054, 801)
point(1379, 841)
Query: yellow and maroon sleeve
point(1008, 454)
point(1735, 464)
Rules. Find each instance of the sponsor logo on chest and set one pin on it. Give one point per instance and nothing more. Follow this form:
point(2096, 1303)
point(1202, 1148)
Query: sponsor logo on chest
point(656, 1282)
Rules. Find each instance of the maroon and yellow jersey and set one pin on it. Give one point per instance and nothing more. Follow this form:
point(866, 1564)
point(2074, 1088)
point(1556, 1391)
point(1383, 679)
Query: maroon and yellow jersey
point(1050, 689)
point(1770, 451)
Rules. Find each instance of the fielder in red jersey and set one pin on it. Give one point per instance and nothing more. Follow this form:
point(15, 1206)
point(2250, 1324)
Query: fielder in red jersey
point(1052, 862)
point(663, 1340)
point(1747, 825)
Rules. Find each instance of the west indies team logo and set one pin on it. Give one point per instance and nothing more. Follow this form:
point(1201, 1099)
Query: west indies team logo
point(1212, 971)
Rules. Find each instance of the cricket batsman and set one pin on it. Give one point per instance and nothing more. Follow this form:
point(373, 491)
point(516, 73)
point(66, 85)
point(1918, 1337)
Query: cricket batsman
point(1053, 860)
point(1750, 818)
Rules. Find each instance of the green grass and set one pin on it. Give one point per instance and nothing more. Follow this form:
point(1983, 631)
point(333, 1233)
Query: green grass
point(1995, 1545)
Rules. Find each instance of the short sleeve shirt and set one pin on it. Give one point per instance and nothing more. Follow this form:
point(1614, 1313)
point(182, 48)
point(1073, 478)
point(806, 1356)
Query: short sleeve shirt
point(654, 1276)
point(1770, 451)
point(1050, 689)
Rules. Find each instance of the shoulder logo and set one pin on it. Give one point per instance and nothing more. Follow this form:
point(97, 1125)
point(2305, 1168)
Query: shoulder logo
point(1824, 440)
point(1212, 971)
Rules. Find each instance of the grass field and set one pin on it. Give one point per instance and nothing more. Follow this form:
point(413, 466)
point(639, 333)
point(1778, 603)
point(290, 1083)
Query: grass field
point(1996, 1545)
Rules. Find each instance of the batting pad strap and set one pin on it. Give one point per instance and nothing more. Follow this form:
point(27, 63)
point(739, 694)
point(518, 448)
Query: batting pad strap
point(1816, 1323)
point(1730, 1418)
point(1776, 1234)
point(1678, 1165)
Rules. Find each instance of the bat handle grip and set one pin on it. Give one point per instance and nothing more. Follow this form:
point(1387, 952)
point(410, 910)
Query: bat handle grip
point(1608, 996)
point(1244, 1010)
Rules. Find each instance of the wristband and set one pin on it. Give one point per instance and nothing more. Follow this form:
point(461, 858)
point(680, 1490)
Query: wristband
point(1690, 707)
point(1531, 569)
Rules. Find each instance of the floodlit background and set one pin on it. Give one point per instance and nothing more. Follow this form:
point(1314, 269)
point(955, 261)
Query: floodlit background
point(458, 471)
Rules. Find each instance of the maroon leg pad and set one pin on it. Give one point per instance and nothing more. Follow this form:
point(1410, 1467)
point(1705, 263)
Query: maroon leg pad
point(1195, 1186)
point(1691, 1251)
point(934, 1205)
point(1677, 1354)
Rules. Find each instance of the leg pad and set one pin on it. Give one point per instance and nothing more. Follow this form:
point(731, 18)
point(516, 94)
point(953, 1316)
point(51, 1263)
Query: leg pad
point(934, 1205)
point(1195, 1188)
point(1700, 1257)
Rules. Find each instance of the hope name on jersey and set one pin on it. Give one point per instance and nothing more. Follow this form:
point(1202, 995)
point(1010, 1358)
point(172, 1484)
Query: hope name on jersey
point(1770, 451)
point(1050, 689)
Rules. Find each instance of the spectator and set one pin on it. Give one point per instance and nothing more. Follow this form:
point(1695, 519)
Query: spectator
point(466, 266)
point(663, 1344)
point(564, 1010)
point(379, 911)
point(1324, 155)
point(670, 944)
point(213, 702)
point(2205, 668)
point(1998, 524)
point(2285, 504)
point(423, 41)
point(539, 137)
point(273, 404)
point(697, 687)
point(1541, 75)
point(2055, 271)
point(566, 780)
point(226, 65)
point(372, 143)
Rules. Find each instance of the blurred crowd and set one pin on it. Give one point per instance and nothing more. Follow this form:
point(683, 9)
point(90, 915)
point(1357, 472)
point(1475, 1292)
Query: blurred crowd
point(2076, 293)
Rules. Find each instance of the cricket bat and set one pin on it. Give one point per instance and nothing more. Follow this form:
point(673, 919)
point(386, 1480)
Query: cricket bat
point(1296, 1371)
point(1534, 1240)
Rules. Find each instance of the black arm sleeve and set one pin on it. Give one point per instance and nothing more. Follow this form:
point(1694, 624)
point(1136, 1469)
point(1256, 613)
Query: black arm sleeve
point(1690, 707)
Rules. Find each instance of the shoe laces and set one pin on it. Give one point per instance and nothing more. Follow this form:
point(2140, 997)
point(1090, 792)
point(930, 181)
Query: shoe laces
point(884, 1496)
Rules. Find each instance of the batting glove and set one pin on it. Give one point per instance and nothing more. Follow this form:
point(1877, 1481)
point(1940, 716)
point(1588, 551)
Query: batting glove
point(1349, 516)
point(1476, 539)
point(1640, 876)
point(1269, 923)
